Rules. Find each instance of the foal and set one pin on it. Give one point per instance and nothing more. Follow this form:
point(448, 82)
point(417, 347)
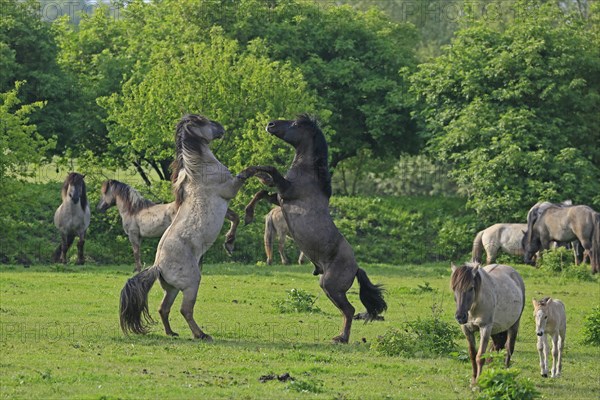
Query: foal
point(550, 319)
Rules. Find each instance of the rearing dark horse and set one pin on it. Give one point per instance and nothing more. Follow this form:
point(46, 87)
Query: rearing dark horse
point(303, 195)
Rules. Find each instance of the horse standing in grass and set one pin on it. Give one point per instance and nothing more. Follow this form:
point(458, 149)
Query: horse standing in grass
point(490, 300)
point(142, 218)
point(72, 217)
point(506, 237)
point(564, 224)
point(275, 225)
point(203, 188)
point(303, 195)
point(550, 320)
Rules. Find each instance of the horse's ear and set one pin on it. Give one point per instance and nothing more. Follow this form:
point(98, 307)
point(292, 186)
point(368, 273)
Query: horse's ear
point(535, 303)
point(453, 267)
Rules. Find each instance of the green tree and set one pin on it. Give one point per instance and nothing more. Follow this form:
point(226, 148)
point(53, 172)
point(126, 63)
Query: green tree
point(19, 140)
point(514, 110)
point(28, 53)
point(240, 90)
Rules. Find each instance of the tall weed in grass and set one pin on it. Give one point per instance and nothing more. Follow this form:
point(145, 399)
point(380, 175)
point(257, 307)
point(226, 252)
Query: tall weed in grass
point(499, 383)
point(591, 327)
point(297, 300)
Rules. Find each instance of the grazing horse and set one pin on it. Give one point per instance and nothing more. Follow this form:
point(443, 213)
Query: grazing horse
point(203, 188)
point(303, 195)
point(506, 237)
point(550, 320)
point(564, 224)
point(143, 218)
point(275, 225)
point(72, 217)
point(490, 300)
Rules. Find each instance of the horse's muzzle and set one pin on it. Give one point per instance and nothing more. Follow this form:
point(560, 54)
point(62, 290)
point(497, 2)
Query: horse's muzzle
point(461, 318)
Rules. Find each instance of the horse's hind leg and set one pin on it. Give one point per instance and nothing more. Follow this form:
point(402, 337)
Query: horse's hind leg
point(511, 340)
point(337, 294)
point(165, 306)
point(187, 310)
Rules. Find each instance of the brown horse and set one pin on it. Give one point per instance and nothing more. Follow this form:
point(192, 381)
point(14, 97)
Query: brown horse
point(564, 224)
point(141, 218)
point(303, 195)
point(72, 217)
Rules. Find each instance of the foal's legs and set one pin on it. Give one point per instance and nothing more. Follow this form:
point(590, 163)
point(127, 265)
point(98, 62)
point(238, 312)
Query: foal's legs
point(542, 347)
point(557, 348)
point(230, 235)
point(336, 291)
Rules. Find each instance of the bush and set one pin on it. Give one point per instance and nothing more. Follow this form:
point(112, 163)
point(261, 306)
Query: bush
point(298, 300)
point(559, 261)
point(591, 327)
point(496, 383)
point(421, 337)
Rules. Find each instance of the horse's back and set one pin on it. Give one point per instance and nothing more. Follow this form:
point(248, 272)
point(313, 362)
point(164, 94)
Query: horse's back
point(510, 295)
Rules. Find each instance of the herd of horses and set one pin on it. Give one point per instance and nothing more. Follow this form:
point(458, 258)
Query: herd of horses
point(488, 299)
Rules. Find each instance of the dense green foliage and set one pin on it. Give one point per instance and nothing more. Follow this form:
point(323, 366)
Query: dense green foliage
point(511, 108)
point(497, 382)
point(408, 232)
point(591, 327)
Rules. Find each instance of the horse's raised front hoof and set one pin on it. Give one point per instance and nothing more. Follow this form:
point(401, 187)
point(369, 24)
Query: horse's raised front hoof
point(544, 375)
point(248, 218)
point(339, 339)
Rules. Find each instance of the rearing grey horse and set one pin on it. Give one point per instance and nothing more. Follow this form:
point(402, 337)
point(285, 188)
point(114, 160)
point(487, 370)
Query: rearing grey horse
point(203, 188)
point(72, 217)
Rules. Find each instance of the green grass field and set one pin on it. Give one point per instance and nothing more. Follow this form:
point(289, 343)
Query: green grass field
point(59, 338)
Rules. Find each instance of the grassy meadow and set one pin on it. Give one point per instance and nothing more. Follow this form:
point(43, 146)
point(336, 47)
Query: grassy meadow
point(59, 338)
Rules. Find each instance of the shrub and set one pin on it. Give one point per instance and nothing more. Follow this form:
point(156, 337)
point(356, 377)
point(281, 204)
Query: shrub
point(591, 327)
point(298, 300)
point(560, 261)
point(396, 342)
point(496, 383)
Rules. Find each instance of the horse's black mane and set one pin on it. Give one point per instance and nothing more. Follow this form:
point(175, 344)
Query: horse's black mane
point(77, 180)
point(184, 142)
point(134, 202)
point(320, 152)
point(463, 278)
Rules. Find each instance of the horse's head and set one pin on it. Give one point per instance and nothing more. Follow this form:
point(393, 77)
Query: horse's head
point(74, 188)
point(200, 127)
point(296, 132)
point(108, 197)
point(531, 244)
point(465, 283)
point(540, 313)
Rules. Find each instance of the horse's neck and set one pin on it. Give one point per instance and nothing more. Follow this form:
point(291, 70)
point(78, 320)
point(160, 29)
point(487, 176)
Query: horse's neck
point(486, 296)
point(122, 205)
point(71, 207)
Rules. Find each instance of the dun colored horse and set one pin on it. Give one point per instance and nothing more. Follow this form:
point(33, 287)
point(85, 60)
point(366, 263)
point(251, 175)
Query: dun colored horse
point(142, 218)
point(506, 237)
point(275, 225)
point(489, 300)
point(72, 217)
point(203, 188)
point(550, 320)
point(303, 195)
point(564, 224)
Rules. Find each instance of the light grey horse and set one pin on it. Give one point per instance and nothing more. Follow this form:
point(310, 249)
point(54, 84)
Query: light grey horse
point(203, 188)
point(142, 218)
point(505, 237)
point(550, 320)
point(72, 217)
point(489, 300)
point(275, 225)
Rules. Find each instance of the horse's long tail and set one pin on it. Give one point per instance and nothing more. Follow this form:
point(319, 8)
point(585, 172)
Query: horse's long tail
point(477, 248)
point(133, 309)
point(370, 295)
point(595, 253)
